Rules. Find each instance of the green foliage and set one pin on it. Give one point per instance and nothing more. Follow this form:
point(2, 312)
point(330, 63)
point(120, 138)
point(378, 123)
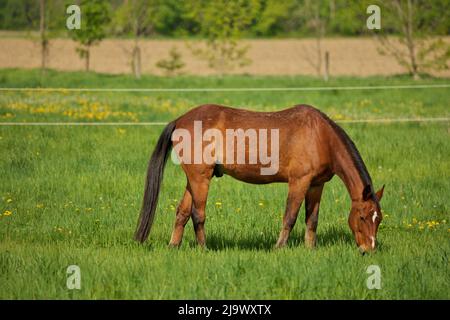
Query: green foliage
point(415, 48)
point(222, 23)
point(173, 64)
point(19, 15)
point(135, 18)
point(271, 16)
point(94, 20)
point(174, 18)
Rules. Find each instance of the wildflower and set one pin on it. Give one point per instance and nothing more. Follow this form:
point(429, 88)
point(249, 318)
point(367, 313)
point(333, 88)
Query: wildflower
point(9, 200)
point(261, 204)
point(218, 203)
point(40, 205)
point(7, 213)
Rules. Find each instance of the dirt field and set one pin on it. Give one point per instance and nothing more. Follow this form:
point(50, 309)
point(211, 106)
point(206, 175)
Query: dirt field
point(269, 57)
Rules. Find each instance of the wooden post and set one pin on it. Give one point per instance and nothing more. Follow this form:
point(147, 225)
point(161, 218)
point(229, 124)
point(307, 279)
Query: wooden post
point(327, 66)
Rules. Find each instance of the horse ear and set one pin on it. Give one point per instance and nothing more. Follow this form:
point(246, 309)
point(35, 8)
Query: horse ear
point(379, 193)
point(367, 193)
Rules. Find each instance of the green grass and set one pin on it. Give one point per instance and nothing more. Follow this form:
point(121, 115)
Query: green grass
point(74, 195)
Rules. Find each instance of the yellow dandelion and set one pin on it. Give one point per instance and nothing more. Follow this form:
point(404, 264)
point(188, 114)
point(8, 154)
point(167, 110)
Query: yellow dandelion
point(218, 203)
point(7, 213)
point(9, 201)
point(40, 205)
point(261, 204)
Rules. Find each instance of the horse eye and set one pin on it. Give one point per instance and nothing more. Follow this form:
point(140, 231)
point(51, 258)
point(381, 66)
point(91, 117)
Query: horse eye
point(362, 218)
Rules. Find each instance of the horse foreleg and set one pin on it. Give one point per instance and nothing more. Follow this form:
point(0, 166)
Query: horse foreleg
point(312, 203)
point(296, 194)
point(183, 213)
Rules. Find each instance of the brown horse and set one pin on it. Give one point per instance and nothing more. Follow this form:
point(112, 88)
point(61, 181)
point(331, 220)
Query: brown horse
point(312, 149)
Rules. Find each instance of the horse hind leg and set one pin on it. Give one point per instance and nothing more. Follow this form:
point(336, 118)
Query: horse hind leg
point(183, 214)
point(312, 203)
point(199, 191)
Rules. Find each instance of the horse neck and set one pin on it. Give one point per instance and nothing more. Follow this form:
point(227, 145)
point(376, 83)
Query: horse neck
point(345, 168)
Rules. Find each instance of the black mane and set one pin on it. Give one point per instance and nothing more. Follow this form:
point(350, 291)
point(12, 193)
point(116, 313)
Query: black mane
point(353, 152)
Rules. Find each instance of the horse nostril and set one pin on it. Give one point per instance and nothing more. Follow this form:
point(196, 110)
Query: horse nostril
point(362, 250)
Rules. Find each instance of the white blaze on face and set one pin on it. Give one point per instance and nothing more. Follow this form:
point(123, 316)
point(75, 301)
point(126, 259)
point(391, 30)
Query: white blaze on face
point(375, 215)
point(373, 242)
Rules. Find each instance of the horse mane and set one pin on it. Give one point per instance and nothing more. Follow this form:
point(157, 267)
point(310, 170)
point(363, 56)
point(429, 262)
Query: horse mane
point(352, 151)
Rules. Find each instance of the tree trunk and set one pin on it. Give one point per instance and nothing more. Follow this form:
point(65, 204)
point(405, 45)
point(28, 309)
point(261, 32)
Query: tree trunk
point(319, 35)
point(43, 37)
point(410, 42)
point(326, 75)
point(332, 9)
point(136, 60)
point(87, 58)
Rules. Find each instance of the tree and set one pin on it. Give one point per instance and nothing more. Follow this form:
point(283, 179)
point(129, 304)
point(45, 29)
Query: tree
point(415, 50)
point(173, 64)
point(95, 17)
point(136, 18)
point(315, 15)
point(43, 35)
point(223, 22)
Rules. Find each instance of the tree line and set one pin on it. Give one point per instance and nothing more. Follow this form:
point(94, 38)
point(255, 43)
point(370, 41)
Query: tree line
point(265, 18)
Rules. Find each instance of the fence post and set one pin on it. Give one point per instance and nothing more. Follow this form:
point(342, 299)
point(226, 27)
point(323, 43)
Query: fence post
point(327, 66)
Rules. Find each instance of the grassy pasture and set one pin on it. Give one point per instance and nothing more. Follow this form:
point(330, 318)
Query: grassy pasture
point(71, 196)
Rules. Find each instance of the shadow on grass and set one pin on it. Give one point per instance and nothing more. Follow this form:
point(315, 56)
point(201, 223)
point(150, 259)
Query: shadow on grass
point(328, 237)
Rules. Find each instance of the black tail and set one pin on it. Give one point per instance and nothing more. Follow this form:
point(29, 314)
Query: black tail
point(152, 185)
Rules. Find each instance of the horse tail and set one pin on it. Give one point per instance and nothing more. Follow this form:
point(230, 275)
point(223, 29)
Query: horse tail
point(155, 172)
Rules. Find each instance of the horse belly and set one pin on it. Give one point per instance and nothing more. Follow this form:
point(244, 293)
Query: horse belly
point(252, 174)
